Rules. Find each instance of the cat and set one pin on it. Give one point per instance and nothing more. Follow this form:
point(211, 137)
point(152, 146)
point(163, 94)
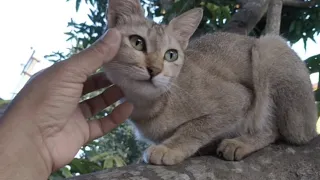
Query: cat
point(240, 91)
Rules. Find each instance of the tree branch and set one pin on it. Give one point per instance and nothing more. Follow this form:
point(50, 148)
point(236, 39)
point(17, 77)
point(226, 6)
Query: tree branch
point(252, 11)
point(279, 161)
point(299, 3)
point(247, 17)
point(274, 17)
point(166, 4)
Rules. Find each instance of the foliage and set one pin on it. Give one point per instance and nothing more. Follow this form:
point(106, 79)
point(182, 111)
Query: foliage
point(119, 147)
point(4, 102)
point(313, 64)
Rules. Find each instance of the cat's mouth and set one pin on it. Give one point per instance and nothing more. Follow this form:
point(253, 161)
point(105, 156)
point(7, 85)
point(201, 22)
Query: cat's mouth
point(140, 76)
point(129, 71)
point(148, 80)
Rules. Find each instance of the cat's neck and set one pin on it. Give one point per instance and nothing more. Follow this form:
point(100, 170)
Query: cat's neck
point(145, 107)
point(138, 99)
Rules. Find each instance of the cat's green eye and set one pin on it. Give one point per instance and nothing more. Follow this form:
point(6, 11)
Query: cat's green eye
point(137, 42)
point(171, 55)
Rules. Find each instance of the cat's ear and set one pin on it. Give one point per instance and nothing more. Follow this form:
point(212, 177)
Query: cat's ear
point(120, 11)
point(183, 26)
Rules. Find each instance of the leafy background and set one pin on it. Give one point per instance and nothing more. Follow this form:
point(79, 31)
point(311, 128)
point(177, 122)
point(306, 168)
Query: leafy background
point(119, 148)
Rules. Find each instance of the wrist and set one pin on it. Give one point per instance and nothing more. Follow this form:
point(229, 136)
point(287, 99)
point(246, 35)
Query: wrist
point(21, 156)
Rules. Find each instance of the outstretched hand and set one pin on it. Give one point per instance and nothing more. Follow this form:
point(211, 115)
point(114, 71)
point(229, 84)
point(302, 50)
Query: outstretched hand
point(46, 115)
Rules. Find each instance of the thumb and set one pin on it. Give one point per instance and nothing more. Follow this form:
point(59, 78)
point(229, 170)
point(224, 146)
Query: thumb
point(102, 51)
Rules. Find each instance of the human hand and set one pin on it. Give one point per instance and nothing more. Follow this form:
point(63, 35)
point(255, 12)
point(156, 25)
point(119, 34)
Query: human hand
point(47, 114)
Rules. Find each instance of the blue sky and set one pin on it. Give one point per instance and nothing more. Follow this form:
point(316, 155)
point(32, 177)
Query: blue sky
point(41, 24)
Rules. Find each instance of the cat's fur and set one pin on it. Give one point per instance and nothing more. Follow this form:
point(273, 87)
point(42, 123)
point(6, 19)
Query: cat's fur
point(244, 91)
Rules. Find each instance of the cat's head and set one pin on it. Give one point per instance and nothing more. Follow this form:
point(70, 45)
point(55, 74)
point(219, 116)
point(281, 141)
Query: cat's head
point(151, 55)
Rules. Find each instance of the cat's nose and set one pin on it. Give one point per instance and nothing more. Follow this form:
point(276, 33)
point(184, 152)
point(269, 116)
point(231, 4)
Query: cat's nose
point(150, 71)
point(153, 71)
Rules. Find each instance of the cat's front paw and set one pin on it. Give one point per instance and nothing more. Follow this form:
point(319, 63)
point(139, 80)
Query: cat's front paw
point(162, 155)
point(233, 149)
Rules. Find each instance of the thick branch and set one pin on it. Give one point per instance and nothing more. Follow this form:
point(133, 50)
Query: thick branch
point(274, 17)
point(247, 17)
point(299, 3)
point(166, 4)
point(280, 161)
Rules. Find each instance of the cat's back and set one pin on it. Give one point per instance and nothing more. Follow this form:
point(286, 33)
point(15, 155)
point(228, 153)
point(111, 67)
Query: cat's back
point(222, 41)
point(222, 54)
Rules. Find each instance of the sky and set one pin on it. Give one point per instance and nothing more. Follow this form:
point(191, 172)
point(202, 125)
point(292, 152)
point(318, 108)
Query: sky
point(40, 24)
point(37, 24)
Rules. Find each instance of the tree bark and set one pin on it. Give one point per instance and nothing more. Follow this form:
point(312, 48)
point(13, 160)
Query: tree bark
point(299, 3)
point(250, 13)
point(274, 17)
point(275, 162)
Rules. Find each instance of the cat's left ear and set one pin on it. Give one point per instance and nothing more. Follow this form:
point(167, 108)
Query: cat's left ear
point(183, 26)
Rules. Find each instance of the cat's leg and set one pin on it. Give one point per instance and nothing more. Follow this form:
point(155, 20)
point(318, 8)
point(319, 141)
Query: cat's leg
point(238, 148)
point(187, 140)
point(227, 105)
point(278, 68)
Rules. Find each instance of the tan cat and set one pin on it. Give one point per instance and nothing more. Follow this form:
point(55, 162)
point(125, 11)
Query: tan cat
point(244, 91)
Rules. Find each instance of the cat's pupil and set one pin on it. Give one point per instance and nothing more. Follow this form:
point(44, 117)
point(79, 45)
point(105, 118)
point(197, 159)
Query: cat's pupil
point(138, 42)
point(171, 55)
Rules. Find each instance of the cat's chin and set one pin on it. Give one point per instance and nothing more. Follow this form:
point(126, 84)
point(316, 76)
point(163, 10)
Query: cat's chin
point(138, 91)
point(137, 84)
point(158, 82)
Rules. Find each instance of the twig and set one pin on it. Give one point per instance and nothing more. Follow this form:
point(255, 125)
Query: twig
point(274, 17)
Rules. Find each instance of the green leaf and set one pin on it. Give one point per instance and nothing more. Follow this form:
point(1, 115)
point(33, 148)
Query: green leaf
point(226, 12)
point(4, 102)
point(84, 166)
point(119, 161)
point(99, 156)
point(305, 42)
point(66, 172)
point(108, 163)
point(78, 2)
point(298, 26)
point(292, 26)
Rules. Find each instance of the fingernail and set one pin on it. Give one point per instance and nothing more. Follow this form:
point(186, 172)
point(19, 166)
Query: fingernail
point(112, 36)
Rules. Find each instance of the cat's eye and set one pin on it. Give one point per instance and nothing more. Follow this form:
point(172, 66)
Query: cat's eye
point(137, 42)
point(171, 55)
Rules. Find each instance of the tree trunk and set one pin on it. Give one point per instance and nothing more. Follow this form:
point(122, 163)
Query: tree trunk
point(275, 162)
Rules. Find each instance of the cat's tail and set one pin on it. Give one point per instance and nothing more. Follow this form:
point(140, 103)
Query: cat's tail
point(260, 112)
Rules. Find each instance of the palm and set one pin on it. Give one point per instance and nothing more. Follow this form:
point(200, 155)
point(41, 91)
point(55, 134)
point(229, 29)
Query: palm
point(64, 145)
point(68, 129)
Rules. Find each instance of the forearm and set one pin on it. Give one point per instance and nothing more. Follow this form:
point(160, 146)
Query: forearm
point(19, 157)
